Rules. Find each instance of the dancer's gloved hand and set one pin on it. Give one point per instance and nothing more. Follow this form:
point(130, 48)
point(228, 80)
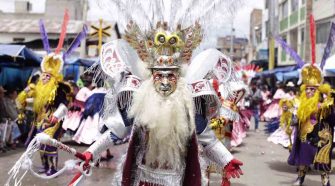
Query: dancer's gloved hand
point(88, 158)
point(53, 120)
point(225, 182)
point(233, 169)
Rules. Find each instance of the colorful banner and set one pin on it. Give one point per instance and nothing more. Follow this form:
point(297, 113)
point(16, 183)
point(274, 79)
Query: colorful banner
point(329, 45)
point(290, 51)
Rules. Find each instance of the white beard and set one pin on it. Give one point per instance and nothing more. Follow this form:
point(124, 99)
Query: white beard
point(170, 121)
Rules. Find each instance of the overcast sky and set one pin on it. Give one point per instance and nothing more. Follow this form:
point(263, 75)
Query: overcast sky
point(241, 22)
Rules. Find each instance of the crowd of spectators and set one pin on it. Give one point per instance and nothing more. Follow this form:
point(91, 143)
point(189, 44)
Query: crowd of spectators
point(261, 97)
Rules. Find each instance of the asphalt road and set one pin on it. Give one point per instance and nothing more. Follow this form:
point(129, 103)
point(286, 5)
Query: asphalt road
point(264, 165)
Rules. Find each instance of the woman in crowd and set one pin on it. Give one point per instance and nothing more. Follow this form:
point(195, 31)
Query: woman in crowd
point(273, 110)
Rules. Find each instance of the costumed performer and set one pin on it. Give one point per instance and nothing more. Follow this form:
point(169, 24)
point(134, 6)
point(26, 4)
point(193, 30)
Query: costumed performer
point(50, 95)
point(283, 135)
point(165, 92)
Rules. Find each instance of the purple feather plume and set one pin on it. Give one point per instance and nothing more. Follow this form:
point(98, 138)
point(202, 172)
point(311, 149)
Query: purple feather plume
point(290, 51)
point(44, 37)
point(76, 42)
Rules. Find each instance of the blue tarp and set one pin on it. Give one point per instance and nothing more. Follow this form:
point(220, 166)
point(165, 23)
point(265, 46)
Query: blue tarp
point(81, 61)
point(15, 77)
point(18, 56)
point(71, 67)
point(17, 62)
point(285, 76)
point(272, 72)
point(331, 70)
point(71, 71)
point(11, 50)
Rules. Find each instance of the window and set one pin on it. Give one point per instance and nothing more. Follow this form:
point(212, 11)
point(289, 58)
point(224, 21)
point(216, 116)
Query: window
point(294, 39)
point(29, 6)
point(18, 40)
point(284, 9)
point(302, 36)
point(294, 5)
point(266, 5)
point(23, 6)
point(322, 32)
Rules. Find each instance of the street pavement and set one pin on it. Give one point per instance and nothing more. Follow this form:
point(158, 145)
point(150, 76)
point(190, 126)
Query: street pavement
point(264, 165)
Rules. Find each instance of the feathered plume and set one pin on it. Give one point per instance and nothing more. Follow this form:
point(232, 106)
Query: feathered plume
point(209, 13)
point(44, 37)
point(63, 32)
point(312, 36)
point(76, 42)
point(290, 51)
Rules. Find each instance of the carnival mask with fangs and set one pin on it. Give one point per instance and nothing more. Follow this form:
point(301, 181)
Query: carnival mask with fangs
point(165, 80)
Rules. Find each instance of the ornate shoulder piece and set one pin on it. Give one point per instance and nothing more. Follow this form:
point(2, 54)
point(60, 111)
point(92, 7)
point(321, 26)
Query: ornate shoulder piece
point(118, 57)
point(110, 60)
point(205, 99)
point(201, 87)
point(210, 64)
point(326, 107)
point(236, 92)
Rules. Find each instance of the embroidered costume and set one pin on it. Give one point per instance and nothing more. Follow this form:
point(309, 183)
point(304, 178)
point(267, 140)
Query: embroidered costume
point(283, 135)
point(313, 140)
point(50, 101)
point(178, 130)
point(50, 96)
point(160, 98)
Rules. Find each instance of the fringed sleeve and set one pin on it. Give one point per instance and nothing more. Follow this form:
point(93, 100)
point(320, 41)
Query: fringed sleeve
point(21, 100)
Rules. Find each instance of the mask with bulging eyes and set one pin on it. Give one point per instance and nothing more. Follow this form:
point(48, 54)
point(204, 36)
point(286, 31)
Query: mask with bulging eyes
point(165, 81)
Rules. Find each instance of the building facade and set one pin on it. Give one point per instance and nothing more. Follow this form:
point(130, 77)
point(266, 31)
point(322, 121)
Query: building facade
point(255, 33)
point(263, 47)
point(324, 15)
point(19, 22)
point(294, 27)
point(239, 47)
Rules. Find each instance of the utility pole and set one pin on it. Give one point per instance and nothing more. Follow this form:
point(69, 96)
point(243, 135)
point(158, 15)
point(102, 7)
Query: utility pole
point(271, 42)
point(100, 32)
